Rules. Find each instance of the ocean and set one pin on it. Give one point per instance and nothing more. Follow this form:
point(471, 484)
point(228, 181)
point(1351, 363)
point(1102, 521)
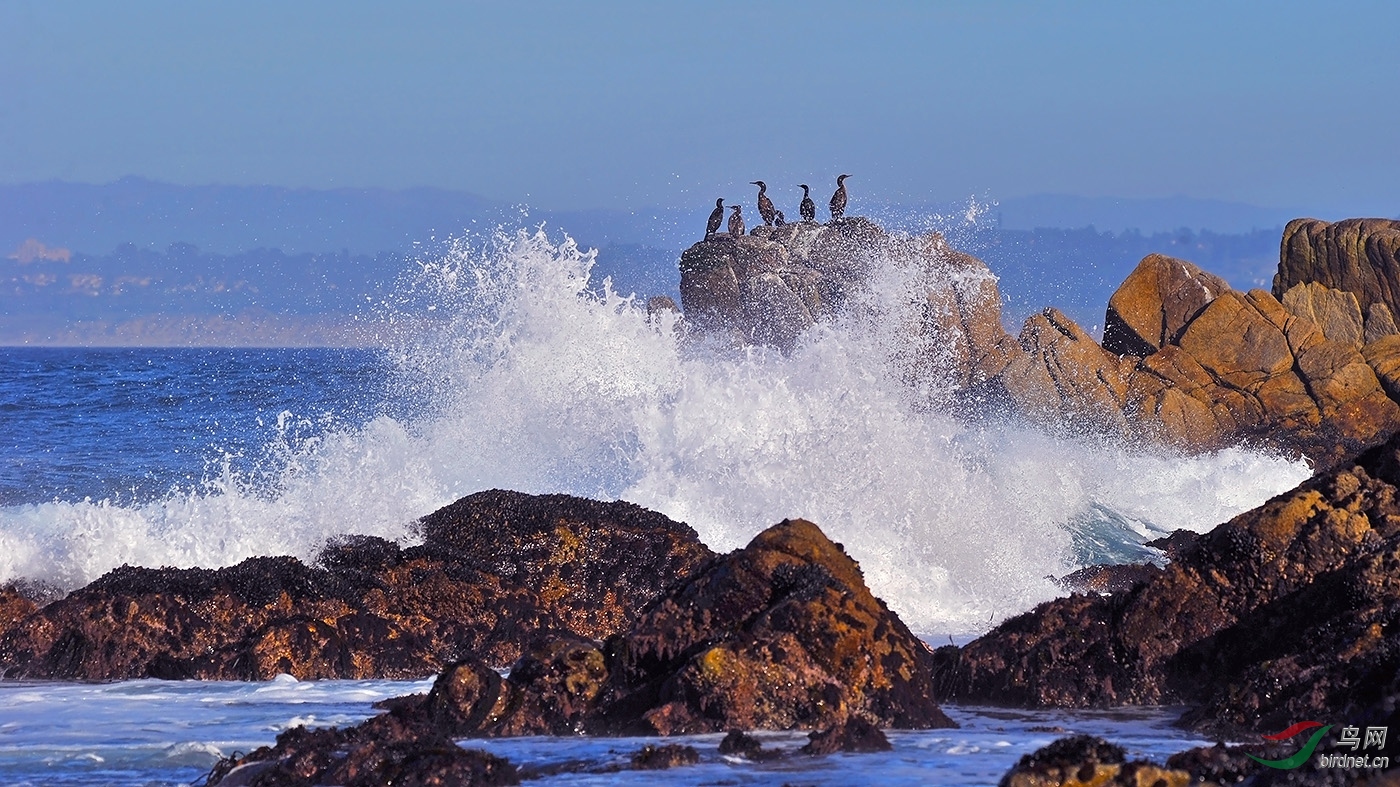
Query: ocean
point(505, 364)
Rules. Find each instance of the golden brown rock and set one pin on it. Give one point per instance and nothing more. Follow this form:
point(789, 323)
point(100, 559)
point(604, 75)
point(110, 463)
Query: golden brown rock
point(1155, 302)
point(1062, 375)
point(1273, 376)
point(1380, 322)
point(1337, 314)
point(1359, 256)
point(1384, 357)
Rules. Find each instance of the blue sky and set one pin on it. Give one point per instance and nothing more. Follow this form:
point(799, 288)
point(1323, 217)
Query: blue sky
point(575, 105)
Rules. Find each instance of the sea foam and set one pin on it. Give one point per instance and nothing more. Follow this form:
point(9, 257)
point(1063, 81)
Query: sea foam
point(521, 372)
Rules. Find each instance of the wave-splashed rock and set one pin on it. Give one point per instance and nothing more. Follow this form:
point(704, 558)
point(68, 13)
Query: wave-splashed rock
point(1286, 612)
point(1185, 360)
point(495, 568)
point(1086, 761)
point(593, 564)
point(382, 751)
point(782, 634)
point(770, 286)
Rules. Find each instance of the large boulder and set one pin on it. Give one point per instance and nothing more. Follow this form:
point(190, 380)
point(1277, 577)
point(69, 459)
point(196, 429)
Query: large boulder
point(1359, 256)
point(1085, 761)
point(1061, 376)
point(494, 569)
point(1283, 613)
point(770, 286)
point(746, 289)
point(1261, 373)
point(594, 564)
point(781, 634)
point(1155, 302)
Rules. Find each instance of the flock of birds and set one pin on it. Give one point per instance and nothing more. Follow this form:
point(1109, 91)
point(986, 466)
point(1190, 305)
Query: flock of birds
point(770, 214)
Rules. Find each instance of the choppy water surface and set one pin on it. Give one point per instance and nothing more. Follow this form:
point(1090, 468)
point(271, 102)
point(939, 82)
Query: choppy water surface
point(157, 733)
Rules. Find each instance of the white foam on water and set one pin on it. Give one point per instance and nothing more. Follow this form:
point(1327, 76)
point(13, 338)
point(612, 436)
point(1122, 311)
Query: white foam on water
point(533, 377)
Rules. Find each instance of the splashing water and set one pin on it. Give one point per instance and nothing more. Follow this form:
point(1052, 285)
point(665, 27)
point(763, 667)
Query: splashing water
point(527, 375)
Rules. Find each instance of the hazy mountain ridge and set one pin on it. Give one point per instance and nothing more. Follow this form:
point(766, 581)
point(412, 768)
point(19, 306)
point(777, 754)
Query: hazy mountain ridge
point(141, 253)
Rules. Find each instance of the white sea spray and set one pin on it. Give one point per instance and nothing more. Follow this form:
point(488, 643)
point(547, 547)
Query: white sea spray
point(525, 374)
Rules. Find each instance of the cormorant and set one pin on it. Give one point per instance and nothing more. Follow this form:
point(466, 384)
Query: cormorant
point(716, 216)
point(809, 208)
point(765, 205)
point(736, 221)
point(780, 220)
point(838, 200)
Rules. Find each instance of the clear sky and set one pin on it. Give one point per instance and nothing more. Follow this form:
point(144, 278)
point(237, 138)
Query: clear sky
point(634, 104)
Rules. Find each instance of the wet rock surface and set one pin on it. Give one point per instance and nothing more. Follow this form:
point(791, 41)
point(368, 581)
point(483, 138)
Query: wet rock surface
point(1284, 613)
point(379, 752)
point(855, 734)
point(660, 758)
point(1086, 761)
point(782, 634)
point(593, 564)
point(495, 568)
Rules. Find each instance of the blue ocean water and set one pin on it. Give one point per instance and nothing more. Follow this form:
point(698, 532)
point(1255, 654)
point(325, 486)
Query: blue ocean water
point(131, 425)
point(151, 733)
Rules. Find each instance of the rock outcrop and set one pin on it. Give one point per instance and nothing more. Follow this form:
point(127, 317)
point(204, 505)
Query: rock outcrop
point(1086, 761)
point(494, 569)
point(384, 750)
point(1185, 360)
point(1155, 302)
point(770, 286)
point(1284, 613)
point(1359, 256)
point(782, 634)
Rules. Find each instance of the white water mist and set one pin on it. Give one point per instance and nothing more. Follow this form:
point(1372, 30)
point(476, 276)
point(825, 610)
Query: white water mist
point(527, 375)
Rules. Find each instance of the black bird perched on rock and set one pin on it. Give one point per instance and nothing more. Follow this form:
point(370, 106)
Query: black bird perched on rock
point(838, 200)
point(780, 220)
point(736, 221)
point(809, 208)
point(765, 205)
point(716, 216)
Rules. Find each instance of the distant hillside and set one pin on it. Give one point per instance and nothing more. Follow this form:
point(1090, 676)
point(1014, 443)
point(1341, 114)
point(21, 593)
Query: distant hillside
point(94, 219)
point(155, 257)
point(184, 295)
